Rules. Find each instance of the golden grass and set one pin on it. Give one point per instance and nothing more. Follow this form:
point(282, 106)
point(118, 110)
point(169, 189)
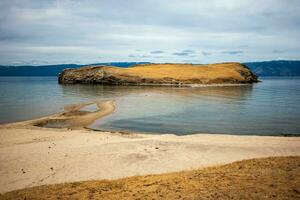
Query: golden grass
point(182, 71)
point(266, 178)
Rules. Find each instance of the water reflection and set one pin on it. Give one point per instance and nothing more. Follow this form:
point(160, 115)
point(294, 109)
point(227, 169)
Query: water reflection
point(270, 107)
point(170, 109)
point(228, 93)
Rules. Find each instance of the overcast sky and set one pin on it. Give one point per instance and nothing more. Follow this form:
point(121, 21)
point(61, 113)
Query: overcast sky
point(196, 31)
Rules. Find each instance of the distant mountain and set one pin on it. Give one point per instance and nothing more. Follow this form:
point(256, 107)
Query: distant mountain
point(52, 70)
point(266, 68)
point(46, 70)
point(275, 68)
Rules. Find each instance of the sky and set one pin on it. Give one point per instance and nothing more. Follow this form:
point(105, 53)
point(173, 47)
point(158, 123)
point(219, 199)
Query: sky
point(35, 32)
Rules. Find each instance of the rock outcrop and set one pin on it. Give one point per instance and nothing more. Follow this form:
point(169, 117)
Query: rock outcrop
point(160, 74)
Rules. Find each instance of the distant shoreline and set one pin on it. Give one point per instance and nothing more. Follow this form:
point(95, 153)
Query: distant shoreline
point(260, 68)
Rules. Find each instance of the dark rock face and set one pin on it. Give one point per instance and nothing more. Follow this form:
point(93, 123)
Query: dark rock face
point(118, 76)
point(85, 75)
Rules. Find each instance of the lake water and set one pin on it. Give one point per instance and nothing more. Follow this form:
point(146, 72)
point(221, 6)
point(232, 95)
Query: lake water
point(267, 108)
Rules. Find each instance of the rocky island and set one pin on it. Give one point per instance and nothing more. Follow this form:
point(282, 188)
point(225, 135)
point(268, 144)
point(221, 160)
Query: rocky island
point(160, 74)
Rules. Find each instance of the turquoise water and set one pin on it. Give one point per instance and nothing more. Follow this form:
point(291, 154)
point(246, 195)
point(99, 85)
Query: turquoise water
point(267, 108)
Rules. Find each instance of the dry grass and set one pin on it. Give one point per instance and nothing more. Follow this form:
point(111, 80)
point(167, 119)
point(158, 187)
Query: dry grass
point(161, 74)
point(266, 178)
point(182, 71)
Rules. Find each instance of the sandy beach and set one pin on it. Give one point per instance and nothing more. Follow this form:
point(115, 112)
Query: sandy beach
point(31, 155)
point(259, 178)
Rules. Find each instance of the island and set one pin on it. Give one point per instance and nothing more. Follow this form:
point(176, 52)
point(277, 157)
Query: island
point(160, 74)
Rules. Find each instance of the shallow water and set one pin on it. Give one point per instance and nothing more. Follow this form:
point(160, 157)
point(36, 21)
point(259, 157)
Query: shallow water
point(90, 108)
point(267, 108)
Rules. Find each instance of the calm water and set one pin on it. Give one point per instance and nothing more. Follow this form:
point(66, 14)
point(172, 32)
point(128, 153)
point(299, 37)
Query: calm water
point(267, 108)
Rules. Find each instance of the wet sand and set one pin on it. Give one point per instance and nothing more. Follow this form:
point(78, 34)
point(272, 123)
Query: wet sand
point(32, 155)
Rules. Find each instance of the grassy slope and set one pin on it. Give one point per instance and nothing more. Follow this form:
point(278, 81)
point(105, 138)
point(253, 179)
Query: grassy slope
point(276, 178)
point(182, 71)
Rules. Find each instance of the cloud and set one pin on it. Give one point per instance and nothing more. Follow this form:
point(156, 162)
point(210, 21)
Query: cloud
point(277, 51)
point(186, 52)
point(80, 31)
point(281, 58)
point(205, 53)
point(157, 52)
point(131, 56)
point(180, 54)
point(189, 51)
point(137, 56)
point(233, 52)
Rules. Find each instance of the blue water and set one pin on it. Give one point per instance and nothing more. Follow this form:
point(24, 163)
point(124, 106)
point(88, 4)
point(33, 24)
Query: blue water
point(267, 108)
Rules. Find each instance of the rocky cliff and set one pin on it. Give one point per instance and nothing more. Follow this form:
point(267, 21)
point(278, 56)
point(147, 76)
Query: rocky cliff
point(152, 74)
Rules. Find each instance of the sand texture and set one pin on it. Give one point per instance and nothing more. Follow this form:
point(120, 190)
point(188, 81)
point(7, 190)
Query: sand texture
point(266, 178)
point(37, 156)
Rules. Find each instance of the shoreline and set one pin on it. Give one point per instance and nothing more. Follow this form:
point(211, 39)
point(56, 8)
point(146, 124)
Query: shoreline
point(32, 155)
point(192, 85)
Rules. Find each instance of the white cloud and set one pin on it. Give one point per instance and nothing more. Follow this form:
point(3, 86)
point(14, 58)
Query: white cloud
point(111, 30)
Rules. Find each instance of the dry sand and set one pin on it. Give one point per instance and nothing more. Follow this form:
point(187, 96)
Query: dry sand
point(259, 178)
point(33, 156)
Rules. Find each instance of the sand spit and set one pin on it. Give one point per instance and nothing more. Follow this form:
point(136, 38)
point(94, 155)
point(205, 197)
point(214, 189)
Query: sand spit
point(74, 116)
point(32, 155)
